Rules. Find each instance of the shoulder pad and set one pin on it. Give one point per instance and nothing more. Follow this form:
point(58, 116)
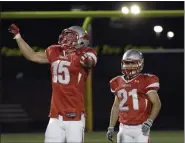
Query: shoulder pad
point(113, 84)
point(152, 82)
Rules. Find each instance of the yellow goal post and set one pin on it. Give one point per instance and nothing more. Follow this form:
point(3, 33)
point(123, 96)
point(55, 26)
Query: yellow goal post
point(89, 15)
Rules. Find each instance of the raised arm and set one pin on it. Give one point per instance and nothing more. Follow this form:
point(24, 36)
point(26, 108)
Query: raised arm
point(25, 49)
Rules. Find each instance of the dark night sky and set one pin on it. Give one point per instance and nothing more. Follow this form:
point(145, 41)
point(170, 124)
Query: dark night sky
point(103, 5)
point(132, 31)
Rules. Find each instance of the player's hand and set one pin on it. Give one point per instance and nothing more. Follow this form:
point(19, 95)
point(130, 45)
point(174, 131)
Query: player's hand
point(86, 60)
point(110, 134)
point(13, 29)
point(146, 126)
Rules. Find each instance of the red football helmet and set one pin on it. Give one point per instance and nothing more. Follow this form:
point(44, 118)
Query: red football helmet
point(132, 63)
point(73, 37)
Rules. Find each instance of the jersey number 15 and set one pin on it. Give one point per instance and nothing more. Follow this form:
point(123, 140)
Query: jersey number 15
point(61, 72)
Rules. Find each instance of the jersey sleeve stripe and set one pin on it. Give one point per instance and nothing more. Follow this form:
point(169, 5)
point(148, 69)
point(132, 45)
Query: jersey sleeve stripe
point(114, 78)
point(156, 84)
point(112, 90)
point(150, 91)
point(93, 56)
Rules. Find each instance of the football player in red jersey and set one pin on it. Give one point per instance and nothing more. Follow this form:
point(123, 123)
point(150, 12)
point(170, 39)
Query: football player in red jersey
point(136, 100)
point(71, 61)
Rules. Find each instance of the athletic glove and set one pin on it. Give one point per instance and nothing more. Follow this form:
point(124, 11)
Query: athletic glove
point(14, 30)
point(110, 134)
point(146, 126)
point(86, 60)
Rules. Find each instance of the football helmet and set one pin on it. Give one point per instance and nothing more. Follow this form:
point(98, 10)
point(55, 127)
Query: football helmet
point(73, 37)
point(132, 63)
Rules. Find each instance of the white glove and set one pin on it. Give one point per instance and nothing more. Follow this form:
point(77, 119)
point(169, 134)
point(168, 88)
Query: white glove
point(110, 133)
point(86, 60)
point(146, 126)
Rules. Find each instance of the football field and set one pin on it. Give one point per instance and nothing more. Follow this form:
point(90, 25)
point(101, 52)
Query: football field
point(94, 137)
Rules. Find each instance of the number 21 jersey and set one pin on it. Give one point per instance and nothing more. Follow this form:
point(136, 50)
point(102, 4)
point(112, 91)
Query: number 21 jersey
point(68, 80)
point(134, 106)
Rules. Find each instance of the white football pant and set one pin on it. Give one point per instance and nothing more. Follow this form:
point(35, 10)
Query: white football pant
point(59, 131)
point(131, 134)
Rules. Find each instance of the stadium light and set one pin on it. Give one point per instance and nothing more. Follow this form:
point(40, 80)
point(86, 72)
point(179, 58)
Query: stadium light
point(135, 9)
point(170, 34)
point(158, 29)
point(125, 10)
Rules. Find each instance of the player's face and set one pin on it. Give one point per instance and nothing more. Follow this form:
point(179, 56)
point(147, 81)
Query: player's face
point(130, 64)
point(130, 67)
point(68, 40)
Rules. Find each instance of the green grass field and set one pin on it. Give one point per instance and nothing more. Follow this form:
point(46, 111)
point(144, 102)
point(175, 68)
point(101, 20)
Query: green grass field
point(95, 137)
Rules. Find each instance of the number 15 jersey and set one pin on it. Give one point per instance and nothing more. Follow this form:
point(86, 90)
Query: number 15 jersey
point(68, 80)
point(134, 106)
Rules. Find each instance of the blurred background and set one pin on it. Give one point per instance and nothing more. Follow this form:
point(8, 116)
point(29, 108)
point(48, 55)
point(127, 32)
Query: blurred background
point(25, 87)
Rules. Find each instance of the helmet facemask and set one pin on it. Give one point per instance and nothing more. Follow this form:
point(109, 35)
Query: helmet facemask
point(68, 39)
point(73, 37)
point(131, 68)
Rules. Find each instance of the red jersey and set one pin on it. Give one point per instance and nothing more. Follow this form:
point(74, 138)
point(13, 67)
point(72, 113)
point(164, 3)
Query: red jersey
point(134, 106)
point(68, 81)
